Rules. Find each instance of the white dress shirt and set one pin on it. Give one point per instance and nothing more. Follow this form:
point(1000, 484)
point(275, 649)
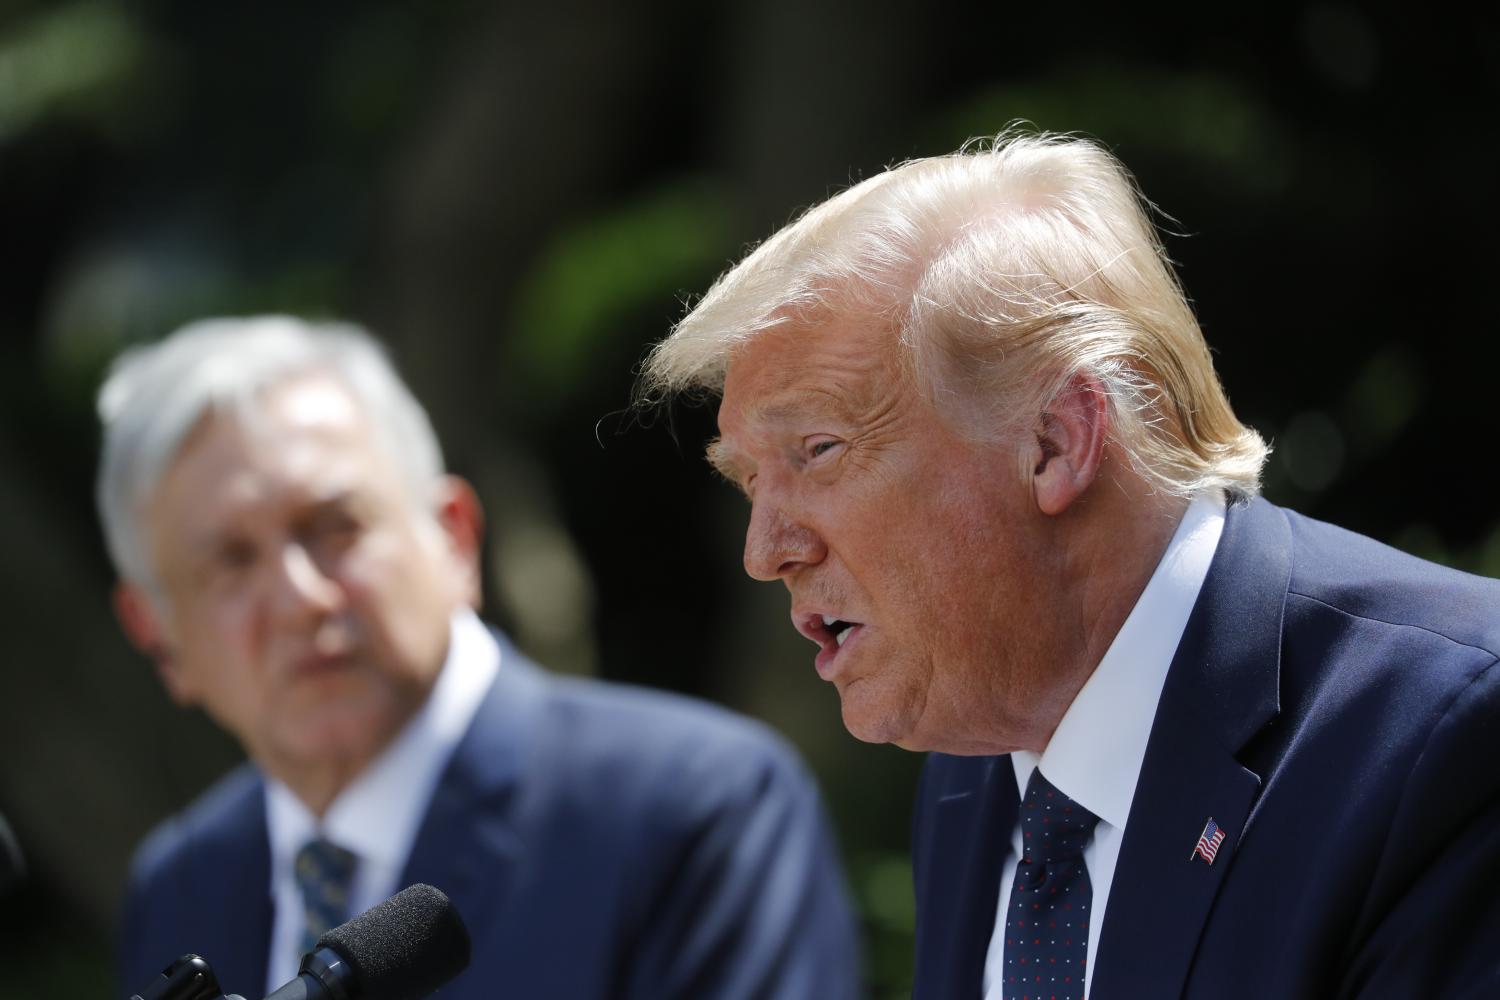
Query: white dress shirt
point(378, 814)
point(1095, 755)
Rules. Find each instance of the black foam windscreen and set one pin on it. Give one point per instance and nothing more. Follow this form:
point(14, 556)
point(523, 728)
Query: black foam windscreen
point(404, 948)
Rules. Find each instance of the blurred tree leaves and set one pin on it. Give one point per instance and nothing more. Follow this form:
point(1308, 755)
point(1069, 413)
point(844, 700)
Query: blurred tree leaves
point(883, 886)
point(594, 273)
point(1203, 118)
point(66, 60)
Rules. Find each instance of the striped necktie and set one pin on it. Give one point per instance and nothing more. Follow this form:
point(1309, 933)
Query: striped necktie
point(325, 873)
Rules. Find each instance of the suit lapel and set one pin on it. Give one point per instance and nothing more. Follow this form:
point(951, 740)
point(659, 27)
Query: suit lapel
point(468, 845)
point(971, 834)
point(1221, 689)
point(232, 866)
point(1162, 892)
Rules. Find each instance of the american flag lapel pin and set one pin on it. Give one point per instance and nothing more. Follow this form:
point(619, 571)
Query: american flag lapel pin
point(1209, 840)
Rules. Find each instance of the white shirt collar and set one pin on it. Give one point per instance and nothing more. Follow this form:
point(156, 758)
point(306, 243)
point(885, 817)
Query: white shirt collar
point(378, 814)
point(1095, 755)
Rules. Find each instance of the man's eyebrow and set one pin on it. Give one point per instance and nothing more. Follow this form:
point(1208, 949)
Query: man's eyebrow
point(724, 463)
point(797, 407)
point(341, 500)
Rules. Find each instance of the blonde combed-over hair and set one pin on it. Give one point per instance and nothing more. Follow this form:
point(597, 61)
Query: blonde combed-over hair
point(1005, 270)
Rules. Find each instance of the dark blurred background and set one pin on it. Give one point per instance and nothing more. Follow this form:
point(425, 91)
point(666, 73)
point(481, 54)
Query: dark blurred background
point(518, 197)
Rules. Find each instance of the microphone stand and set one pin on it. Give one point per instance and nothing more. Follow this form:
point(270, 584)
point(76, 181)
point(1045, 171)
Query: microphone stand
point(188, 978)
point(191, 978)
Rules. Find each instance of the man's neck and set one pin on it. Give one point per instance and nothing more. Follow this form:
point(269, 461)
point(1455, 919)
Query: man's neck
point(317, 781)
point(317, 788)
point(1111, 559)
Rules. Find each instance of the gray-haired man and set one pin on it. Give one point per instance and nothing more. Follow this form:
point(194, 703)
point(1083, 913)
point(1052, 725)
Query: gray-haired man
point(296, 563)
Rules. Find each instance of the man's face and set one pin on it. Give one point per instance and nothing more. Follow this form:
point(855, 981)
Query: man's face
point(914, 542)
point(305, 595)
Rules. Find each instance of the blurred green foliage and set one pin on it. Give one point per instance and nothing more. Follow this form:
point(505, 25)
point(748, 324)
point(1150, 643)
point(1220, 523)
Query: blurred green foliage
point(593, 274)
point(64, 61)
point(521, 197)
point(1206, 120)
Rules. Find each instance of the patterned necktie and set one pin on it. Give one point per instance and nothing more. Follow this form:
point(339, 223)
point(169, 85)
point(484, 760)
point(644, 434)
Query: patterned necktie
point(1047, 924)
point(325, 873)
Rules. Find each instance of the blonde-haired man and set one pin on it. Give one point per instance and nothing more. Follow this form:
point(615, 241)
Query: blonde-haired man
point(1185, 742)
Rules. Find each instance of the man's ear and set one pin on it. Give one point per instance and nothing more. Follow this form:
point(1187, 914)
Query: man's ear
point(462, 520)
point(1070, 444)
point(143, 626)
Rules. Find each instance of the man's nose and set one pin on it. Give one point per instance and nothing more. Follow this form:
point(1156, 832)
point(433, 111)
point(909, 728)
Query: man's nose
point(778, 544)
point(301, 585)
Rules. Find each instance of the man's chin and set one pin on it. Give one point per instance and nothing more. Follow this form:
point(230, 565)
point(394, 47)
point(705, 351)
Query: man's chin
point(334, 734)
point(874, 714)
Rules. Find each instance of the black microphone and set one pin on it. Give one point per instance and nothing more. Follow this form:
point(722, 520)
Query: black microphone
point(402, 949)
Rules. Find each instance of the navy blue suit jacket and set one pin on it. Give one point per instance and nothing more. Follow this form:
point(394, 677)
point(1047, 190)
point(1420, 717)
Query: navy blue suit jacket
point(598, 841)
point(1334, 705)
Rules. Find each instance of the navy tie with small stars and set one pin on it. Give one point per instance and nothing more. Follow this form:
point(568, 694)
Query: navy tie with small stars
point(1047, 922)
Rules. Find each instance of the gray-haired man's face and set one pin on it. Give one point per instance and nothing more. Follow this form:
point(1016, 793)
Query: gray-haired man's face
point(307, 598)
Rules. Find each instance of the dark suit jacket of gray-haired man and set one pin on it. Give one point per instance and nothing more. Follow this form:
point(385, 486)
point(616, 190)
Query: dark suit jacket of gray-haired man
point(296, 563)
point(986, 451)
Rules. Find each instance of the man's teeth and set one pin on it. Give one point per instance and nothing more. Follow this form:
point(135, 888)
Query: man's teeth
point(829, 621)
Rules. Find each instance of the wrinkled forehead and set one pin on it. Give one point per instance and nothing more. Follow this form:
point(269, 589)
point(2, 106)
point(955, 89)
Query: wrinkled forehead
point(300, 431)
point(307, 402)
point(839, 374)
point(845, 361)
point(830, 333)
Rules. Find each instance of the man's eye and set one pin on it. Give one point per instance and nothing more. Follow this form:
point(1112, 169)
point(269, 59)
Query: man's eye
point(819, 446)
point(334, 524)
point(332, 532)
point(227, 564)
point(235, 554)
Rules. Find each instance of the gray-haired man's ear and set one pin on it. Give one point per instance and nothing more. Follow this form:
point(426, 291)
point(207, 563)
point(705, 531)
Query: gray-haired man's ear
point(143, 627)
point(462, 519)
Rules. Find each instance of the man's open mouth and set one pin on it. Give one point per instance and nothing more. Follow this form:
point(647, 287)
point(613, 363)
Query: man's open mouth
point(838, 627)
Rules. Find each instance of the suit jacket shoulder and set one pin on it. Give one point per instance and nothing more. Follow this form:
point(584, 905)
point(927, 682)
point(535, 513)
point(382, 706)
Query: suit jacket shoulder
point(610, 841)
point(1330, 706)
point(1326, 707)
point(598, 841)
point(1364, 579)
point(1384, 742)
point(199, 884)
point(682, 759)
